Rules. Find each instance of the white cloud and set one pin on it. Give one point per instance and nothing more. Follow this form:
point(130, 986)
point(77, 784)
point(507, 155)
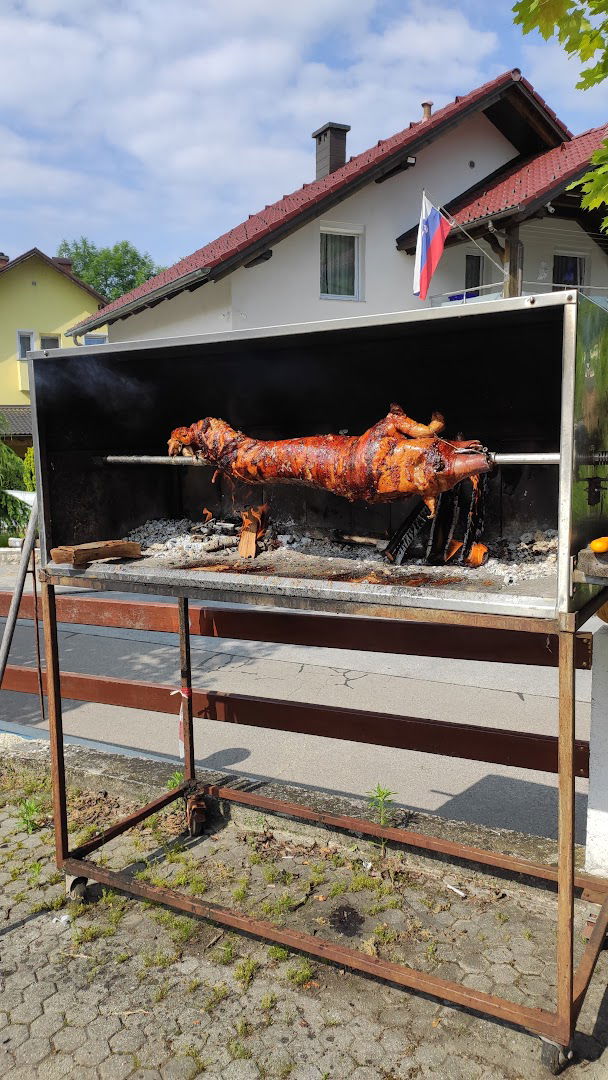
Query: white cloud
point(168, 123)
point(555, 75)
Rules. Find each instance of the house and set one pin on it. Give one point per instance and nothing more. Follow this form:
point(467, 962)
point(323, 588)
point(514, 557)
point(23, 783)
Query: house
point(498, 158)
point(40, 299)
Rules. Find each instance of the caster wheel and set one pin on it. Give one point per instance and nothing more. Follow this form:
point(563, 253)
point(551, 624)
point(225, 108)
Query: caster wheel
point(76, 888)
point(196, 823)
point(196, 814)
point(554, 1058)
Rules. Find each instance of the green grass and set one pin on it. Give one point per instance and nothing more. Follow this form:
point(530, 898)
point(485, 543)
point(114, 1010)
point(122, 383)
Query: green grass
point(361, 881)
point(384, 905)
point(193, 986)
point(190, 878)
point(245, 971)
point(34, 872)
point(431, 950)
point(85, 934)
point(384, 935)
point(182, 928)
point(157, 959)
point(225, 954)
point(302, 973)
point(54, 904)
point(268, 1002)
point(241, 892)
point(317, 874)
point(278, 952)
point(278, 907)
point(199, 1064)
point(238, 1051)
point(28, 815)
point(218, 993)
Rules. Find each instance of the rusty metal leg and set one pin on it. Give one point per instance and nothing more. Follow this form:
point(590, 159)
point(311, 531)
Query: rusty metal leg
point(186, 682)
point(51, 651)
point(565, 875)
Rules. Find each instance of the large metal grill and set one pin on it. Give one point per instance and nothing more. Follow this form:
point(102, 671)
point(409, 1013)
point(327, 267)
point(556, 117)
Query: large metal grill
point(526, 376)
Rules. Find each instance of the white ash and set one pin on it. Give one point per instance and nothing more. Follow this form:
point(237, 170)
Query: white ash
point(511, 559)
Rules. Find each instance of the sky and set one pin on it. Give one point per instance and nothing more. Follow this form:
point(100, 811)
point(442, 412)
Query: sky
point(167, 122)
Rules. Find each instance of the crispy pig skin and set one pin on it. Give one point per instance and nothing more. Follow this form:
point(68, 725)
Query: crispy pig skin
point(394, 458)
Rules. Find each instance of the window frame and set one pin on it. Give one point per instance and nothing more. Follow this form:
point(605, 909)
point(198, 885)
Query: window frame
point(103, 339)
point(343, 228)
point(586, 259)
point(57, 338)
point(32, 336)
point(474, 290)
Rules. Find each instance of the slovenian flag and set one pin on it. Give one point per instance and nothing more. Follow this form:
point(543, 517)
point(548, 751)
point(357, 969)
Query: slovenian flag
point(432, 234)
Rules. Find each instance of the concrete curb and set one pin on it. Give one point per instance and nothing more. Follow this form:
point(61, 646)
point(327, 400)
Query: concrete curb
point(141, 779)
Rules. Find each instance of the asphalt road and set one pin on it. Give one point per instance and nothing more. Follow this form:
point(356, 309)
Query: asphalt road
point(475, 693)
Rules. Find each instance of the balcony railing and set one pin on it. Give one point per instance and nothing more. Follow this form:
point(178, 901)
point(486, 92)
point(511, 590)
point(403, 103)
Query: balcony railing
point(493, 291)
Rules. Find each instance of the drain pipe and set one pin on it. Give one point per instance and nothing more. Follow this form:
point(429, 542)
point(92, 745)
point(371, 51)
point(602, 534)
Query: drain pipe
point(13, 611)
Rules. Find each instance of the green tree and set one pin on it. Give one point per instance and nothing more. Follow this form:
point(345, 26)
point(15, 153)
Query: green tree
point(111, 270)
point(581, 27)
point(29, 470)
point(13, 513)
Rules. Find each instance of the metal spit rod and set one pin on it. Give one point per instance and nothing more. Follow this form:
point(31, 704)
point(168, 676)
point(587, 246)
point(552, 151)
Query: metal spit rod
point(498, 459)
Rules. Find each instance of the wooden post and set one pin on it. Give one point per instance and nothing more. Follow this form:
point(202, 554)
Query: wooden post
point(53, 684)
point(513, 262)
point(565, 866)
point(186, 682)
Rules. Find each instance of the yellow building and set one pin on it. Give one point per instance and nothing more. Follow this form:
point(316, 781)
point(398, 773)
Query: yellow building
point(40, 298)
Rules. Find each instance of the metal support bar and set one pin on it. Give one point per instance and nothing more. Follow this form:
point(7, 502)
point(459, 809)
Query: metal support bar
point(127, 823)
point(590, 957)
point(11, 619)
point(565, 854)
point(53, 689)
point(472, 742)
point(536, 1020)
point(186, 678)
point(595, 888)
point(479, 642)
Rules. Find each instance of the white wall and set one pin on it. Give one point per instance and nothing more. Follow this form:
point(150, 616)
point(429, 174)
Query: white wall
point(286, 288)
point(207, 309)
point(546, 236)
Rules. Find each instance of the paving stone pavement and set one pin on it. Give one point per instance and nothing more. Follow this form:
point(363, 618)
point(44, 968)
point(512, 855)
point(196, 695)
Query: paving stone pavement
point(119, 987)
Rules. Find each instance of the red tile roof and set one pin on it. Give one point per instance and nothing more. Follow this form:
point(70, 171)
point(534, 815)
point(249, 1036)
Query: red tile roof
point(263, 225)
point(527, 183)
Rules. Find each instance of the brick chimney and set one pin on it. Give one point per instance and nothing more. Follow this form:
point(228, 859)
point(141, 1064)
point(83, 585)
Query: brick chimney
point(4, 259)
point(331, 148)
point(427, 109)
point(65, 264)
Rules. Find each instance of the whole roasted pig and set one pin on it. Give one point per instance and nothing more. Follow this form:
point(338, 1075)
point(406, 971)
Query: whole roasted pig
point(395, 457)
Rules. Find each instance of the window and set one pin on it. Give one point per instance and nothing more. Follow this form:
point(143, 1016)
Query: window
point(95, 339)
point(49, 341)
point(568, 271)
point(25, 343)
point(473, 275)
point(341, 262)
